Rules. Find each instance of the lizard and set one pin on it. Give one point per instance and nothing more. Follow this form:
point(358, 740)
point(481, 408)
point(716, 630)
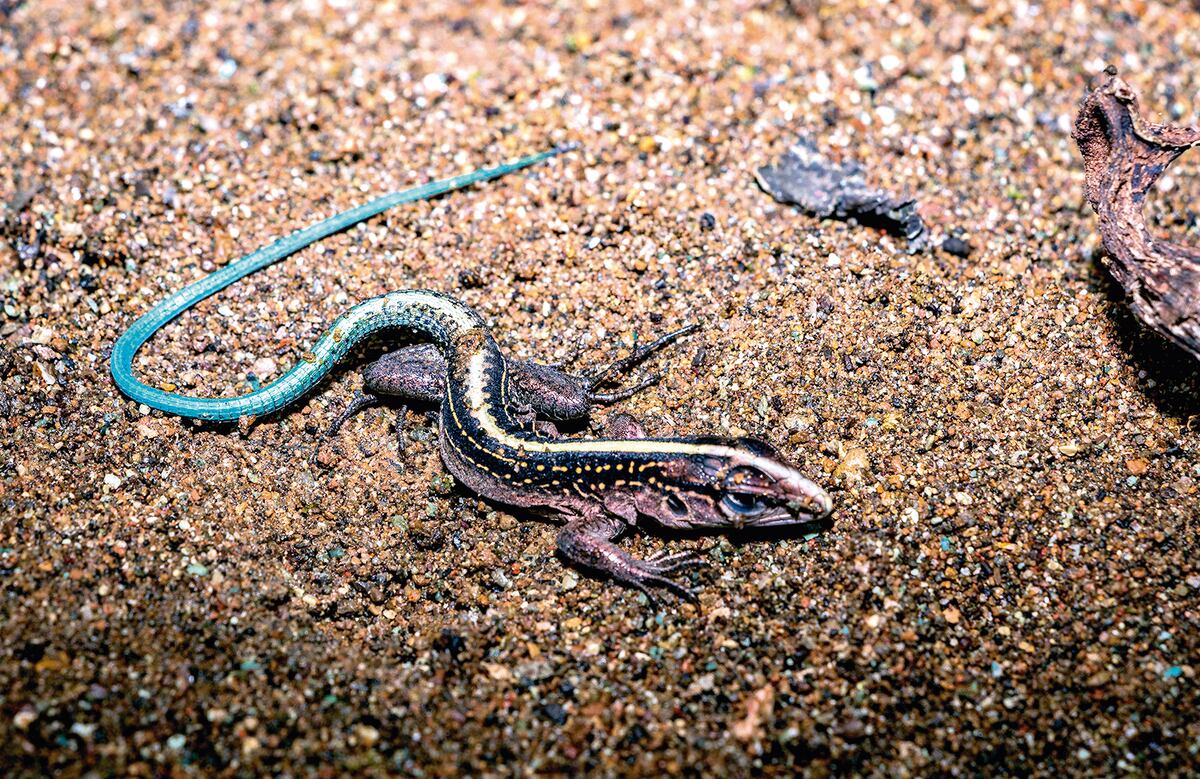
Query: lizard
point(541, 394)
point(597, 488)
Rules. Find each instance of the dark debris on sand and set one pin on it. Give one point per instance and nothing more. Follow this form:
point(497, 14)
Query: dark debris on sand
point(825, 189)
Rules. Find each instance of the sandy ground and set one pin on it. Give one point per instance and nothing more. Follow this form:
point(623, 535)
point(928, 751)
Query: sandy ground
point(1011, 577)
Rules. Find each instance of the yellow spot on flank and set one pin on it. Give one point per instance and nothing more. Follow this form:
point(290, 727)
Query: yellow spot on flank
point(541, 467)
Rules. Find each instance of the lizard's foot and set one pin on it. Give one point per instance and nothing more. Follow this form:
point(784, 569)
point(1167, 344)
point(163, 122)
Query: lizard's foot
point(665, 562)
point(645, 574)
point(360, 401)
point(524, 414)
point(586, 541)
point(625, 364)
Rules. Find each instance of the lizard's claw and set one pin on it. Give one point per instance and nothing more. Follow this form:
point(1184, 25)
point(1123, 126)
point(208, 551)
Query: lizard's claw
point(360, 401)
point(646, 581)
point(652, 572)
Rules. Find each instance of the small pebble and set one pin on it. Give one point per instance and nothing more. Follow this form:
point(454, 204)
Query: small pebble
point(956, 246)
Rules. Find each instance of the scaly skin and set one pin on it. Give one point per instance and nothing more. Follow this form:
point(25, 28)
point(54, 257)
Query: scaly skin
point(599, 487)
point(418, 373)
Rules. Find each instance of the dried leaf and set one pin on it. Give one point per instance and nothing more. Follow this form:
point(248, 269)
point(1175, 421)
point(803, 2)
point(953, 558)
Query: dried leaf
point(828, 190)
point(1123, 157)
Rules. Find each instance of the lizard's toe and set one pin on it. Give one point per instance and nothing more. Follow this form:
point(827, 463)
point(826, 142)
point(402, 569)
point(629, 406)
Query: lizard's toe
point(665, 562)
point(645, 579)
point(673, 586)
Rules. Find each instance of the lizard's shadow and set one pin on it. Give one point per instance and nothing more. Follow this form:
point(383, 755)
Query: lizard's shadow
point(742, 537)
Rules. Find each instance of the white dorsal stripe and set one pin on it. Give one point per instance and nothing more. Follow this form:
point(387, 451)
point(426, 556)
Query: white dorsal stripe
point(480, 405)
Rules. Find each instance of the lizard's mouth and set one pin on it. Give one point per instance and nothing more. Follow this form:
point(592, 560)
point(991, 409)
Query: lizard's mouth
point(794, 513)
point(815, 505)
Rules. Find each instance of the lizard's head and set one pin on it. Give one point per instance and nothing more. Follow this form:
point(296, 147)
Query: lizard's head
point(726, 483)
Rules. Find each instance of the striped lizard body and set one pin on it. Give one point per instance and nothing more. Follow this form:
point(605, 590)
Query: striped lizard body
point(599, 487)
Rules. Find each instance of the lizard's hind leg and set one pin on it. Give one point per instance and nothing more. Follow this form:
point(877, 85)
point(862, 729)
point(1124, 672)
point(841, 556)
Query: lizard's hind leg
point(416, 373)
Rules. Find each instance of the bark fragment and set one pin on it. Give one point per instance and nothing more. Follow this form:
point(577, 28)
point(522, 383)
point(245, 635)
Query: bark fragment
point(1123, 157)
point(828, 190)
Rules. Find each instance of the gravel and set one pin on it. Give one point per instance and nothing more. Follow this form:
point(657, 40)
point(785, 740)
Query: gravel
point(1011, 577)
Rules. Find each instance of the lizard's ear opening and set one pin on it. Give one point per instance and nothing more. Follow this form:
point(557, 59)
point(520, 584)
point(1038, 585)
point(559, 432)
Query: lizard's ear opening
point(675, 509)
point(675, 505)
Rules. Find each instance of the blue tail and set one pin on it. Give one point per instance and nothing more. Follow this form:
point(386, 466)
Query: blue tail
point(279, 393)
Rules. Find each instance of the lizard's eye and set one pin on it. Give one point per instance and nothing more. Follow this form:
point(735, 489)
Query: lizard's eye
point(675, 505)
point(742, 504)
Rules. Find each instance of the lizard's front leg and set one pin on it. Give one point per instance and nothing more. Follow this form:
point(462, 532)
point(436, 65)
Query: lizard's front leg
point(587, 541)
point(624, 426)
